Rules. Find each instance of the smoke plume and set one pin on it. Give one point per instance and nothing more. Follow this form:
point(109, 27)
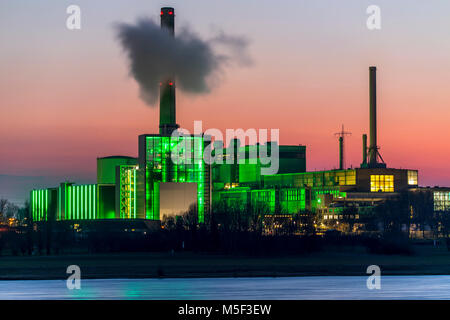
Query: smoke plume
point(196, 64)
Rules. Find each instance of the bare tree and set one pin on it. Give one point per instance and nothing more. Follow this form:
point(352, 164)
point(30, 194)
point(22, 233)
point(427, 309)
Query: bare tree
point(11, 211)
point(422, 209)
point(191, 217)
point(3, 206)
point(257, 213)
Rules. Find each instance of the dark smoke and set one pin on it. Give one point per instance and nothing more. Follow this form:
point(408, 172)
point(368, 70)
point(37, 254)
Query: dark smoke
point(155, 56)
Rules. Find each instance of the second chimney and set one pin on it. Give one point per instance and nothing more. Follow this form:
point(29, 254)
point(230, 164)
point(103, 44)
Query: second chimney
point(373, 148)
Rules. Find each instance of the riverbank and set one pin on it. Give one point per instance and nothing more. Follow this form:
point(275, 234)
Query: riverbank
point(426, 261)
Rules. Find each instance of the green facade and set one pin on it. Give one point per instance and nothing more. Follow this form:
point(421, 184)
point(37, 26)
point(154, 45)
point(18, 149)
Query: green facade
point(39, 204)
point(67, 202)
point(155, 158)
point(126, 192)
point(273, 201)
point(78, 202)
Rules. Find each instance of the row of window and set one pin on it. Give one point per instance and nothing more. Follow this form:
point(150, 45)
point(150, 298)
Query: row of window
point(316, 179)
point(292, 195)
point(441, 201)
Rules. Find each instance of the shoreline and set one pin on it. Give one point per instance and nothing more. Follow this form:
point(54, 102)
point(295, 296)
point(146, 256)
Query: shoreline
point(226, 276)
point(428, 261)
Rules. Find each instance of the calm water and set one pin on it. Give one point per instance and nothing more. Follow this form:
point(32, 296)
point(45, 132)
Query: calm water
point(392, 287)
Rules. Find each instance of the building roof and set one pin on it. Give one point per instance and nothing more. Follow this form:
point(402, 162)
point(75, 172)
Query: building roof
point(117, 157)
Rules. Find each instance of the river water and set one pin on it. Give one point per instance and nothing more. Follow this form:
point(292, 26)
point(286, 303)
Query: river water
point(392, 287)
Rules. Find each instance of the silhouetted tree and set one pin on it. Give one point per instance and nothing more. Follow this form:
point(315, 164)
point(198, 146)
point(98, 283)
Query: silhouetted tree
point(443, 218)
point(256, 217)
point(394, 213)
point(51, 218)
point(3, 206)
point(422, 209)
point(22, 213)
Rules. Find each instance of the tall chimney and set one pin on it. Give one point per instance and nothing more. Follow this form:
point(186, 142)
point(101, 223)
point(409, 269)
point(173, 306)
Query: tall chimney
point(373, 148)
point(167, 109)
point(364, 149)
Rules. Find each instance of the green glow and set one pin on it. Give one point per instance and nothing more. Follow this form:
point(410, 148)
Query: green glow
point(71, 202)
point(59, 204)
point(33, 205)
point(90, 196)
point(38, 214)
point(134, 190)
point(95, 201)
point(72, 205)
point(129, 192)
point(68, 201)
point(46, 204)
point(85, 203)
point(39, 204)
point(160, 168)
point(77, 202)
point(148, 210)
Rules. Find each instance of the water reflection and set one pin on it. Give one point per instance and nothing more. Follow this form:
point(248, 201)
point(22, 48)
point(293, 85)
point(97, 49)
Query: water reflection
point(392, 287)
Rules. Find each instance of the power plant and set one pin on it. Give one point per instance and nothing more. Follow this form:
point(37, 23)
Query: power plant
point(152, 186)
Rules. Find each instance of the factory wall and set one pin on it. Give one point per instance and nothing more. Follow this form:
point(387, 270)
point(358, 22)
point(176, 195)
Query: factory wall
point(268, 201)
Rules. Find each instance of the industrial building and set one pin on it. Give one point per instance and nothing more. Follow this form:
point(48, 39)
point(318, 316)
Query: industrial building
point(153, 186)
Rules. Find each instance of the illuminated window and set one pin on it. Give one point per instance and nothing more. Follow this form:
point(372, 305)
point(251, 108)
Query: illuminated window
point(350, 176)
point(383, 183)
point(441, 201)
point(340, 178)
point(412, 178)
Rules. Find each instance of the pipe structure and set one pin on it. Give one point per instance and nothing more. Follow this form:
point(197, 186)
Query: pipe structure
point(373, 148)
point(341, 153)
point(167, 108)
point(364, 149)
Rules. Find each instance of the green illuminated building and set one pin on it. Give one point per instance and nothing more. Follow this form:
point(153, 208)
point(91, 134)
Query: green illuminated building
point(157, 167)
point(170, 174)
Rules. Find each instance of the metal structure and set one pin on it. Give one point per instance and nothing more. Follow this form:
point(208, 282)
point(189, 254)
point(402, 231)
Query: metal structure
point(374, 153)
point(341, 136)
point(364, 151)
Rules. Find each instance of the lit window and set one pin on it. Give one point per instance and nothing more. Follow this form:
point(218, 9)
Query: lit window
point(381, 183)
point(412, 178)
point(441, 200)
